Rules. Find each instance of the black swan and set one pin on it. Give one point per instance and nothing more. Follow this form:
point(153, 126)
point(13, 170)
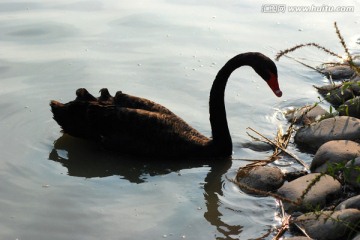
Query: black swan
point(139, 126)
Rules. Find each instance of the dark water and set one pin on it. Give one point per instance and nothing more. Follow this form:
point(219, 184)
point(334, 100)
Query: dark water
point(57, 187)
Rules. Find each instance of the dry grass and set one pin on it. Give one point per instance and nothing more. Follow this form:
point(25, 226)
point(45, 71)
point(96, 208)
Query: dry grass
point(348, 61)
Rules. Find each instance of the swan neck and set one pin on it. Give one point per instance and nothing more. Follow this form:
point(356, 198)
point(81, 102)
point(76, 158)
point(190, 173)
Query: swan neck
point(219, 125)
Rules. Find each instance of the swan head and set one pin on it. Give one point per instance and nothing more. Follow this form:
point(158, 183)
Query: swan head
point(267, 70)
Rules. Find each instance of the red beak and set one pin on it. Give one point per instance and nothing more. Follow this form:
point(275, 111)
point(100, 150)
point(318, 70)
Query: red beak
point(274, 85)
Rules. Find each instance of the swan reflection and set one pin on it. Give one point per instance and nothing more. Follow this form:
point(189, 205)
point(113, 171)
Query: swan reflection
point(86, 159)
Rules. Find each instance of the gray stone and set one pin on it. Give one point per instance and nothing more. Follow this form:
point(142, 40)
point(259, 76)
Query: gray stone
point(298, 238)
point(306, 116)
point(357, 237)
point(329, 225)
point(353, 202)
point(355, 85)
point(350, 108)
point(326, 89)
point(332, 152)
point(338, 94)
point(336, 128)
point(323, 188)
point(352, 174)
point(262, 178)
point(338, 72)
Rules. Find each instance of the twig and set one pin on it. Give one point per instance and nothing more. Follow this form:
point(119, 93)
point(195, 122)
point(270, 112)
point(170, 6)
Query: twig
point(342, 41)
point(256, 139)
point(302, 230)
point(349, 59)
point(285, 222)
point(304, 64)
point(283, 149)
point(284, 227)
point(284, 52)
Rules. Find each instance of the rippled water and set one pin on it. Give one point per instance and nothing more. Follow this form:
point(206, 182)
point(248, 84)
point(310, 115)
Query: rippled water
point(57, 187)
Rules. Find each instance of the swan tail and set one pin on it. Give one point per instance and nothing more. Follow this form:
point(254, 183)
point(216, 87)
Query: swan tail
point(73, 118)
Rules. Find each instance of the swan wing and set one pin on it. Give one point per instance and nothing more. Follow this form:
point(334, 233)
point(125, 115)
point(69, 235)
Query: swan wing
point(129, 101)
point(142, 131)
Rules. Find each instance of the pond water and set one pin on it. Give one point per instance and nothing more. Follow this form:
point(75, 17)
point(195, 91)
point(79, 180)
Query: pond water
point(57, 187)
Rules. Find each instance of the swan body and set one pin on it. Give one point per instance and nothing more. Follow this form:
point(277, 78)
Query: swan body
point(138, 126)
